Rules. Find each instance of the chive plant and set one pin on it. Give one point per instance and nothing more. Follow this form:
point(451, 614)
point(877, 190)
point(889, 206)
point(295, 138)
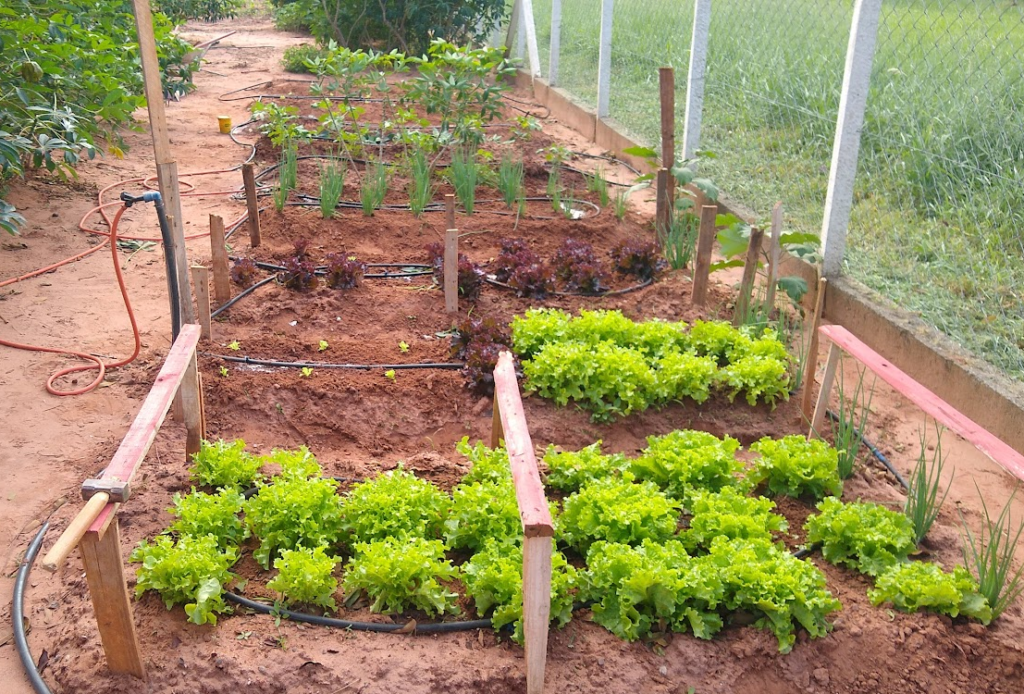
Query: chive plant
point(990, 556)
point(287, 177)
point(464, 175)
point(510, 179)
point(597, 183)
point(923, 500)
point(374, 188)
point(332, 184)
point(848, 425)
point(421, 191)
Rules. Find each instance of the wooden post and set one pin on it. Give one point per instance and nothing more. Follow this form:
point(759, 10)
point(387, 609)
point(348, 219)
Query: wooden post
point(536, 608)
point(104, 572)
point(555, 50)
point(604, 59)
point(811, 365)
point(667, 84)
point(166, 168)
point(253, 204)
point(834, 354)
point(774, 251)
point(663, 209)
point(451, 270)
point(201, 284)
point(449, 210)
point(191, 399)
point(695, 78)
point(860, 52)
point(497, 434)
point(219, 255)
point(702, 263)
point(749, 274)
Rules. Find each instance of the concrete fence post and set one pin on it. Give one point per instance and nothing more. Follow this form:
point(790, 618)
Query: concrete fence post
point(604, 59)
point(556, 41)
point(695, 78)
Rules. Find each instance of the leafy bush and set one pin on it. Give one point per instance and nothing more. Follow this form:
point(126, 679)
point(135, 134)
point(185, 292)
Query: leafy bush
point(637, 588)
point(862, 535)
point(576, 265)
point(920, 585)
point(482, 511)
point(244, 272)
point(200, 514)
point(617, 510)
point(404, 25)
point(399, 573)
point(570, 470)
point(344, 271)
point(305, 577)
point(494, 580)
point(295, 16)
point(224, 465)
point(684, 462)
point(489, 464)
point(731, 514)
point(638, 258)
point(769, 582)
point(396, 504)
point(191, 572)
point(795, 466)
point(295, 57)
point(294, 512)
point(180, 11)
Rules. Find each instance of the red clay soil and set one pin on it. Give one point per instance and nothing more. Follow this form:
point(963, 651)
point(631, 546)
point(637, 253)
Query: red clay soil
point(359, 422)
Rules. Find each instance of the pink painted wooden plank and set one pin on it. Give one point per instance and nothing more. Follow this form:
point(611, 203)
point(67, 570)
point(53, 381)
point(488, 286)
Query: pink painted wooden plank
point(136, 443)
point(928, 401)
point(533, 505)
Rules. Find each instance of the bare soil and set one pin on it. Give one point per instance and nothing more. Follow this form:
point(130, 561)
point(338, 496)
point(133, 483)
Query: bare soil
point(358, 422)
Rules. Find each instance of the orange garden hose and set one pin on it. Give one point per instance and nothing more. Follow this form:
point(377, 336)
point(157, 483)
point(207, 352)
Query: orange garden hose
point(110, 237)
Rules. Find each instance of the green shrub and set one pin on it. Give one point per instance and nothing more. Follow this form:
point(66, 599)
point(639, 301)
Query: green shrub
point(179, 11)
point(295, 57)
point(295, 16)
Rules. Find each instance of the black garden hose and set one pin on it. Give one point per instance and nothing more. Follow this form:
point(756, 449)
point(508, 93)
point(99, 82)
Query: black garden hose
point(436, 628)
point(18, 613)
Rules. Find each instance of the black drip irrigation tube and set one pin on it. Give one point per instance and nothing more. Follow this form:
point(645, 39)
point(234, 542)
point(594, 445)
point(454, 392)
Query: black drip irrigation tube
point(879, 456)
point(613, 292)
point(241, 295)
point(332, 365)
point(18, 613)
point(436, 628)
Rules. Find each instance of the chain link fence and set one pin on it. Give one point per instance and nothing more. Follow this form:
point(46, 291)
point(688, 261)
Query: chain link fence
point(938, 216)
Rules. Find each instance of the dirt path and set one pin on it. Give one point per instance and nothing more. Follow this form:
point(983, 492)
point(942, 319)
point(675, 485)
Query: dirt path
point(48, 444)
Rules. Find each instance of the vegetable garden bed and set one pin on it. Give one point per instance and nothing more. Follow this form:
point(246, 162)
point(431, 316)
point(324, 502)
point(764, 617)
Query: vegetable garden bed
point(647, 570)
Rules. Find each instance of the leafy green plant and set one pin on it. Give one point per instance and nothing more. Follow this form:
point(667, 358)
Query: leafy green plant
point(796, 466)
point(200, 514)
point(684, 375)
point(332, 185)
point(684, 462)
point(918, 585)
point(396, 504)
point(298, 462)
point(848, 426)
point(781, 591)
point(635, 589)
point(597, 183)
point(616, 509)
point(464, 177)
point(374, 188)
point(731, 514)
point(680, 239)
point(759, 378)
point(923, 500)
point(990, 556)
point(344, 271)
point(191, 572)
point(482, 511)
point(296, 59)
point(421, 190)
point(179, 11)
point(510, 179)
point(222, 465)
point(291, 512)
point(489, 464)
point(493, 578)
point(399, 573)
point(637, 258)
point(305, 577)
point(570, 470)
point(861, 535)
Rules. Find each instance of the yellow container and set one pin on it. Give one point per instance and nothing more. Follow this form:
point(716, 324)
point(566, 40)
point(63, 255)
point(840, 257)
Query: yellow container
point(224, 123)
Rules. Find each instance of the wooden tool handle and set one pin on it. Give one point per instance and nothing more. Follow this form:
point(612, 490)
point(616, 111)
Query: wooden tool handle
point(74, 533)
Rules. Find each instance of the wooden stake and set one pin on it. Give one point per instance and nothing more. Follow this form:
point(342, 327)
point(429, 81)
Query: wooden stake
point(191, 399)
point(834, 353)
point(811, 365)
point(667, 84)
point(449, 210)
point(663, 209)
point(104, 572)
point(451, 270)
point(774, 251)
point(497, 433)
point(702, 263)
point(252, 203)
point(219, 263)
point(536, 609)
point(201, 284)
point(749, 274)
